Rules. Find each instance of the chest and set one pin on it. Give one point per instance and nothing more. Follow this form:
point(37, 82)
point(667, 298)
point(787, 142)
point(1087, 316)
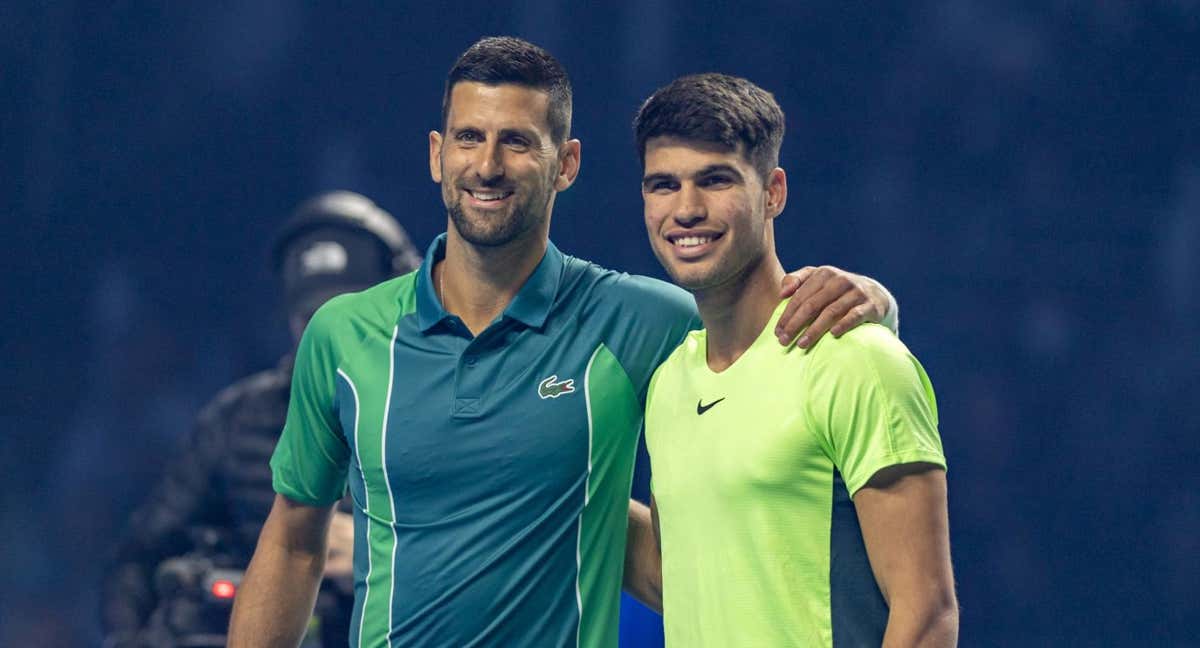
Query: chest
point(465, 422)
point(730, 439)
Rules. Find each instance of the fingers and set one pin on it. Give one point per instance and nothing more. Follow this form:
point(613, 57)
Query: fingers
point(865, 312)
point(873, 305)
point(827, 300)
point(798, 312)
point(831, 314)
point(793, 280)
point(822, 287)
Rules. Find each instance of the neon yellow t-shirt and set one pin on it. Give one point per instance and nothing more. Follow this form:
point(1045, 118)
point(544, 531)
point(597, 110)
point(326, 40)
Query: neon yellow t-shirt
point(753, 470)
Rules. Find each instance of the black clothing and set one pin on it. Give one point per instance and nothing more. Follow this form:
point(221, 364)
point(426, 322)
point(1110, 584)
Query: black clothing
point(220, 479)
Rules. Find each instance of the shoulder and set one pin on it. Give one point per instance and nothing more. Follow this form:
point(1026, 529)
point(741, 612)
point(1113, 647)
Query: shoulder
point(866, 342)
point(867, 357)
point(682, 360)
point(379, 306)
point(633, 295)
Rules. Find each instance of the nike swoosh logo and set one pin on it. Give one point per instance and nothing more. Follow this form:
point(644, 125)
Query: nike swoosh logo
point(702, 408)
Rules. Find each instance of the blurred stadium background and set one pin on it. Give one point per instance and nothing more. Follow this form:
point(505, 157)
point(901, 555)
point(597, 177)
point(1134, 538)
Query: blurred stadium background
point(1025, 177)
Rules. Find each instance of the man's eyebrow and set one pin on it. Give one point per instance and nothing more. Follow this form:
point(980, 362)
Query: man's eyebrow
point(719, 168)
point(527, 133)
point(712, 169)
point(651, 178)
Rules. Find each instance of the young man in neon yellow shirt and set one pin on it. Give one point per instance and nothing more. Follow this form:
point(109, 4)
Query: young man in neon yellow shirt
point(799, 496)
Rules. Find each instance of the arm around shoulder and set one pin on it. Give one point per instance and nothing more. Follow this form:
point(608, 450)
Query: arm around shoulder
point(276, 598)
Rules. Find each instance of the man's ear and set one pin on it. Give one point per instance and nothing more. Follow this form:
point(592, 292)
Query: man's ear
point(776, 192)
point(435, 156)
point(568, 164)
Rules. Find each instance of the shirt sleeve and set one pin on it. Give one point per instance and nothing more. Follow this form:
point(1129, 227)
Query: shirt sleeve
point(310, 460)
point(871, 403)
point(651, 318)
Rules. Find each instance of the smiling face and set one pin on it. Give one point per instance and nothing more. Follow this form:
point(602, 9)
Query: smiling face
point(708, 213)
point(497, 164)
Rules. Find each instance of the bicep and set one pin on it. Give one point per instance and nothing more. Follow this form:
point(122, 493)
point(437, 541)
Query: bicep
point(905, 527)
point(296, 527)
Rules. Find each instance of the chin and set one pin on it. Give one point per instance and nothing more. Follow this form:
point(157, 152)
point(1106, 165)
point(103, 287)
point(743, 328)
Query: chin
point(700, 279)
point(689, 281)
point(488, 238)
point(477, 229)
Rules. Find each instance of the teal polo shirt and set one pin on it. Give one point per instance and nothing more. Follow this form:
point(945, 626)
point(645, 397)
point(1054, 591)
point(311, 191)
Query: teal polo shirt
point(490, 474)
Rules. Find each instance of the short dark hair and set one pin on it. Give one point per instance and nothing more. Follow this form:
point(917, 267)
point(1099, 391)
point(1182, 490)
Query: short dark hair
point(718, 109)
point(505, 59)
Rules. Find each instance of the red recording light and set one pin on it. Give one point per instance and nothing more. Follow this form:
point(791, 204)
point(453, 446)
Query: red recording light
point(223, 589)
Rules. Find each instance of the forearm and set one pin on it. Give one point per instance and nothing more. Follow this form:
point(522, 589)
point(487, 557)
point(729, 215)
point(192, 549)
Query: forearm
point(643, 563)
point(276, 598)
point(926, 624)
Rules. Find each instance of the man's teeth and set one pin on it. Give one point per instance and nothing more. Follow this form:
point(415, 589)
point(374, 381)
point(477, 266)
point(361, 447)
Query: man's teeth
point(490, 195)
point(692, 241)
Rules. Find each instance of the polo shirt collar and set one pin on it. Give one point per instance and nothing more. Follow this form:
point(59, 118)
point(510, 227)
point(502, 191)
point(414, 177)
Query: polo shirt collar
point(531, 306)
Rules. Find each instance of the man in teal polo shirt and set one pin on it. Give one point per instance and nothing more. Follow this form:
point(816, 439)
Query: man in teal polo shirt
point(485, 409)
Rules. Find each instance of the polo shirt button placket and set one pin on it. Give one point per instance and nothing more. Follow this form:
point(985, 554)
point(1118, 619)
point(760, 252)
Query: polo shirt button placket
point(468, 389)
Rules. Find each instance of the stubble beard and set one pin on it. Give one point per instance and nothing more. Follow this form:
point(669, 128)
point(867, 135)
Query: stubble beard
point(500, 229)
point(489, 232)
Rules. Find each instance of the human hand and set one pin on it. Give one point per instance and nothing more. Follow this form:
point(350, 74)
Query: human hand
point(827, 299)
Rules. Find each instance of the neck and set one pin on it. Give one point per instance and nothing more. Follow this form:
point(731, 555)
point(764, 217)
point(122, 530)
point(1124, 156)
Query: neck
point(477, 283)
point(734, 314)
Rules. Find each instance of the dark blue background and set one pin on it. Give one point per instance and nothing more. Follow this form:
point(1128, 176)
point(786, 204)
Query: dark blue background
point(1025, 177)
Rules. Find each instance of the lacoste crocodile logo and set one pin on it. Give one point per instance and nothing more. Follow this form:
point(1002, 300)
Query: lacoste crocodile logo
point(550, 388)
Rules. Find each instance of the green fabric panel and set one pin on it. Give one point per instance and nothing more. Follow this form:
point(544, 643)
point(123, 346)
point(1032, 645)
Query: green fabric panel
point(614, 414)
point(371, 367)
point(377, 606)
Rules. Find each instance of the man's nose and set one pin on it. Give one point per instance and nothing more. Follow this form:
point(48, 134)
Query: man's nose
point(491, 165)
point(689, 207)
